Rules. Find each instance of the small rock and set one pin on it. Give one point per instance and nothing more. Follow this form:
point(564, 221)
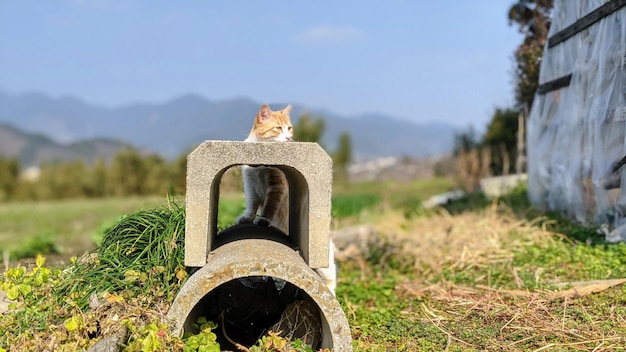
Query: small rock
point(351, 242)
point(95, 302)
point(4, 302)
point(113, 343)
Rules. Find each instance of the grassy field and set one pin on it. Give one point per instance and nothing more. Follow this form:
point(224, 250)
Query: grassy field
point(68, 227)
point(478, 275)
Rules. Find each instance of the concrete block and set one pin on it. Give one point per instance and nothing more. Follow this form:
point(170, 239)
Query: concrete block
point(308, 169)
point(259, 258)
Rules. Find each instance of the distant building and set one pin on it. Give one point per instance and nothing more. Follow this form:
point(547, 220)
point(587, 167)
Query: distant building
point(392, 168)
point(31, 174)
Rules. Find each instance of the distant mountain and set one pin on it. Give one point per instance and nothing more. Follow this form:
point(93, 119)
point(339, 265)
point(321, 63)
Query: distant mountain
point(176, 126)
point(33, 149)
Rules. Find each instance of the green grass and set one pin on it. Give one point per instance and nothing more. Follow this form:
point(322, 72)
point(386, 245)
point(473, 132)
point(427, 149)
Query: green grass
point(483, 276)
point(344, 205)
point(230, 208)
point(72, 225)
point(495, 304)
point(139, 266)
point(397, 194)
point(144, 250)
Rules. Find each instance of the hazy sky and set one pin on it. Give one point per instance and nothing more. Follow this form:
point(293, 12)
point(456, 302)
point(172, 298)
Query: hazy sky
point(421, 60)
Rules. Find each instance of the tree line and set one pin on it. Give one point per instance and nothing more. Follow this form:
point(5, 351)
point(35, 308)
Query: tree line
point(496, 151)
point(128, 173)
point(131, 172)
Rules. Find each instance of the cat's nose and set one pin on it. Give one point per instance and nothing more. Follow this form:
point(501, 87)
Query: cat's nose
point(289, 138)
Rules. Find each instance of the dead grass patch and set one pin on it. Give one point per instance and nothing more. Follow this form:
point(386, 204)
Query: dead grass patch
point(472, 239)
point(512, 320)
point(457, 260)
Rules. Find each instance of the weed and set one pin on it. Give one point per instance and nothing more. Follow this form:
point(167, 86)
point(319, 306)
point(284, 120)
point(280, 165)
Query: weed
point(31, 307)
point(153, 337)
point(205, 340)
point(40, 244)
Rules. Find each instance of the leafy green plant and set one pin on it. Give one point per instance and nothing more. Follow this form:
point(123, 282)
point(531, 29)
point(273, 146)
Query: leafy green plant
point(31, 308)
point(150, 337)
point(19, 283)
point(273, 342)
point(205, 340)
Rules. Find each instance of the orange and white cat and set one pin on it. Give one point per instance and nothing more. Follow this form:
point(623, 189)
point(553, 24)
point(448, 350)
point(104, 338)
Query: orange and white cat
point(266, 188)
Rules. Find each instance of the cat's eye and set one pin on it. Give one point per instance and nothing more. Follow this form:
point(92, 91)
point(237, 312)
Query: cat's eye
point(290, 128)
point(278, 128)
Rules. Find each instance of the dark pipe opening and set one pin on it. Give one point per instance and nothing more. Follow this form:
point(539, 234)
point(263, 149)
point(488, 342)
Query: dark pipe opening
point(246, 308)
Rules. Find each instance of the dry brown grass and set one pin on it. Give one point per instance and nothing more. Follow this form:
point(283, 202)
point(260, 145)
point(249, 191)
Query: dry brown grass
point(480, 313)
point(517, 320)
point(470, 239)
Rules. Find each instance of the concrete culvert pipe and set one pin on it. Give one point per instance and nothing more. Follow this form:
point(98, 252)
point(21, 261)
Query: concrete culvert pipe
point(245, 287)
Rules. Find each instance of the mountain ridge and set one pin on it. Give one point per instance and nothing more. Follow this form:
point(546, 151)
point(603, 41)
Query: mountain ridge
point(178, 124)
point(33, 149)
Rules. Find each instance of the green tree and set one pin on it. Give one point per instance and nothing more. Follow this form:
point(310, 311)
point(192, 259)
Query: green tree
point(501, 137)
point(465, 141)
point(128, 173)
point(9, 177)
point(178, 175)
point(48, 186)
point(97, 179)
point(157, 175)
point(72, 177)
point(343, 156)
point(533, 20)
point(309, 129)
point(61, 180)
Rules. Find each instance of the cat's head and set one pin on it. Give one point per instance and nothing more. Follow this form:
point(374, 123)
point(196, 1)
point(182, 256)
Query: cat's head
point(272, 126)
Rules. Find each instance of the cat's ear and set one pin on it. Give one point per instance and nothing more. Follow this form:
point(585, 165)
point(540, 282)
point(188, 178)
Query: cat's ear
point(286, 110)
point(264, 113)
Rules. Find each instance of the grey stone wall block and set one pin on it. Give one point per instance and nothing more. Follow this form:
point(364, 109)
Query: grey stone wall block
point(308, 169)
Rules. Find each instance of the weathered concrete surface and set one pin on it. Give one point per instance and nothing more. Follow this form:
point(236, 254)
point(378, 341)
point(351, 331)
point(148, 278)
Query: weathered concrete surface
point(253, 257)
point(500, 185)
point(306, 166)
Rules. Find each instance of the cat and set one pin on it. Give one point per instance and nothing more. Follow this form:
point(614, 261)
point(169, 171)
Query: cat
point(266, 188)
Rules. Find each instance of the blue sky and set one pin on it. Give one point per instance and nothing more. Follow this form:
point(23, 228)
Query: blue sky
point(415, 59)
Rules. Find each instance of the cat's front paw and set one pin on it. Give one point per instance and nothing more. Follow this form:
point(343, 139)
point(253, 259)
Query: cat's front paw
point(244, 220)
point(261, 221)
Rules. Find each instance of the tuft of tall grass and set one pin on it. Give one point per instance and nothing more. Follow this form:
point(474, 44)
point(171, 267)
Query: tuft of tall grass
point(143, 252)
